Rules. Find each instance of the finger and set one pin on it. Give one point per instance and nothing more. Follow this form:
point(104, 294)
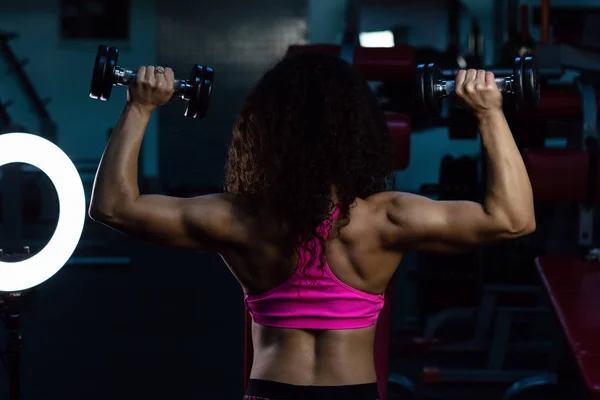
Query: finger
point(471, 76)
point(140, 75)
point(469, 85)
point(490, 79)
point(460, 82)
point(480, 77)
point(480, 80)
point(150, 72)
point(460, 78)
point(160, 79)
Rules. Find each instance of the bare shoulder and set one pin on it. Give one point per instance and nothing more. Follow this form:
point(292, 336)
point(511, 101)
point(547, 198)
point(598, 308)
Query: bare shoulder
point(390, 213)
point(247, 223)
point(393, 204)
point(385, 199)
point(417, 223)
point(228, 214)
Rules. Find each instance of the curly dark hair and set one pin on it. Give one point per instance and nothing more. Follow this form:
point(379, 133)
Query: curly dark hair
point(310, 126)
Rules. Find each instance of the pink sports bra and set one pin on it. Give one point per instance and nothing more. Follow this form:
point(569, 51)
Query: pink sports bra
point(314, 298)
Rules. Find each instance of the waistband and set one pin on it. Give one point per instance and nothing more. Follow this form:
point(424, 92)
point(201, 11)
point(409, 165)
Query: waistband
point(283, 391)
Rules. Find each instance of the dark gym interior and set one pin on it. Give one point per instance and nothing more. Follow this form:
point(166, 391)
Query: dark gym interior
point(124, 319)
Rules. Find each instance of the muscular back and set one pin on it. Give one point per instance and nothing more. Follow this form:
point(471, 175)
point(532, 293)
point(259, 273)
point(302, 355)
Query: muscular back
point(357, 255)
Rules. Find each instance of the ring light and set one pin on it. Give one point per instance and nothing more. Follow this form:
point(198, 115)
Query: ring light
point(34, 150)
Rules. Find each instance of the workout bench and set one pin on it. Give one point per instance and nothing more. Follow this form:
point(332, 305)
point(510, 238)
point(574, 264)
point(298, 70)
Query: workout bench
point(573, 283)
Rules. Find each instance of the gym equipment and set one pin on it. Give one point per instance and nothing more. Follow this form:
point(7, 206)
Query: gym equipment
point(400, 388)
point(571, 296)
point(560, 103)
point(399, 127)
point(474, 55)
point(558, 174)
point(48, 128)
point(493, 297)
point(544, 72)
point(568, 174)
point(523, 85)
point(494, 338)
point(196, 90)
point(540, 387)
point(519, 37)
point(375, 64)
point(480, 324)
point(434, 376)
point(496, 329)
point(574, 179)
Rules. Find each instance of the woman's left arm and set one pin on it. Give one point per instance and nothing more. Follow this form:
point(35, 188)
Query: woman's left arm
point(203, 223)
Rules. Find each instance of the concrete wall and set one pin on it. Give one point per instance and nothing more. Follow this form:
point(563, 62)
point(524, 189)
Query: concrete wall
point(62, 70)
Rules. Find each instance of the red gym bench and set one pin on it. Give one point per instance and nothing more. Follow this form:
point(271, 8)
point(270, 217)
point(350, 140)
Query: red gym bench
point(572, 283)
point(573, 287)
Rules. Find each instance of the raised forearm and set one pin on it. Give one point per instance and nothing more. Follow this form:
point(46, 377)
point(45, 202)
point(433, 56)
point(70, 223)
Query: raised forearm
point(509, 198)
point(116, 181)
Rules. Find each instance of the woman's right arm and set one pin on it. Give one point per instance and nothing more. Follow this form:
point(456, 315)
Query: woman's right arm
point(416, 223)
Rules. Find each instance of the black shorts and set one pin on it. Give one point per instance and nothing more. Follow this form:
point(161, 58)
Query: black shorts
point(268, 390)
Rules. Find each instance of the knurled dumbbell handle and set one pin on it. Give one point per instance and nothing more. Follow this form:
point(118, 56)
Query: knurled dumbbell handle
point(124, 77)
point(446, 88)
point(451, 73)
point(546, 73)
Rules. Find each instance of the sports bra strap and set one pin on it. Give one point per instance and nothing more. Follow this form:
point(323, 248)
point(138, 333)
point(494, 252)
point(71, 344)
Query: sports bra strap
point(328, 223)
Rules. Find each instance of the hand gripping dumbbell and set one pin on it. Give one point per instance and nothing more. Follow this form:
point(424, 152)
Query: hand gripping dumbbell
point(523, 85)
point(196, 90)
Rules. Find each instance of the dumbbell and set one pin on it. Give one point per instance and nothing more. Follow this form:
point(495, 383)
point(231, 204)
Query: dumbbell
point(196, 90)
point(523, 85)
